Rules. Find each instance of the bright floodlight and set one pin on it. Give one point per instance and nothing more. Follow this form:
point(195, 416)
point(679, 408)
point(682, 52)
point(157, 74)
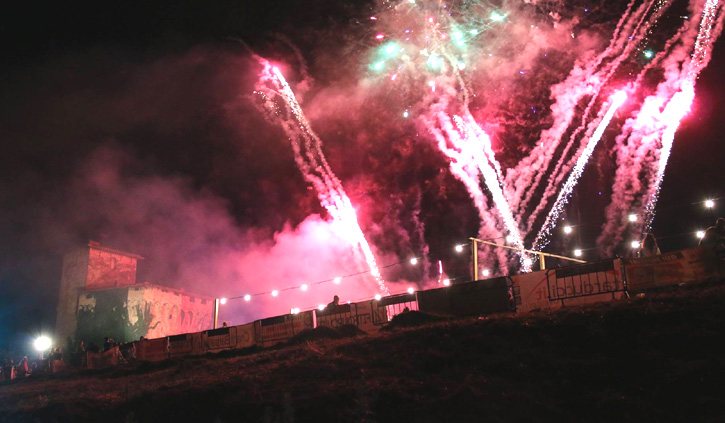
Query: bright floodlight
point(414, 261)
point(378, 297)
point(577, 253)
point(632, 217)
point(295, 310)
point(459, 248)
point(275, 293)
point(635, 244)
point(304, 287)
point(567, 229)
point(411, 290)
point(247, 297)
point(337, 280)
point(709, 204)
point(700, 234)
point(446, 282)
point(222, 301)
point(486, 272)
point(321, 307)
point(42, 343)
point(509, 238)
point(528, 262)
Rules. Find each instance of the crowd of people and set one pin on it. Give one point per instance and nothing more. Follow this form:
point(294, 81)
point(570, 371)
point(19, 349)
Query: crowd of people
point(57, 360)
point(24, 368)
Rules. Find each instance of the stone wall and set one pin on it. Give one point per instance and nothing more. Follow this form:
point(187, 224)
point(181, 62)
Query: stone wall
point(108, 268)
point(72, 282)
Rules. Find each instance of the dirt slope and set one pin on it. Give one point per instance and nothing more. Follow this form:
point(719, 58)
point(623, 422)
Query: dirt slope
point(657, 358)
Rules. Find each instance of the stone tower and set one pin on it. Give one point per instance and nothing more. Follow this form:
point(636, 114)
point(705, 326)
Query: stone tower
point(90, 267)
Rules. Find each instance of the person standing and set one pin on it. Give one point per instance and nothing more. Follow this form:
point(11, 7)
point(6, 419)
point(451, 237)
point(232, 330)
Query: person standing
point(715, 235)
point(648, 247)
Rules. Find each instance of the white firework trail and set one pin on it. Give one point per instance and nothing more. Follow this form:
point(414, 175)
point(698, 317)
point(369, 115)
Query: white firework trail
point(313, 164)
point(542, 238)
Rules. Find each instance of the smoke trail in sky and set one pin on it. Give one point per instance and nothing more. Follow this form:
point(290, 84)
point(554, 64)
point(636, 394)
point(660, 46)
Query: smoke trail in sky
point(542, 238)
point(476, 144)
point(309, 156)
point(643, 148)
point(584, 80)
point(463, 165)
point(631, 30)
point(710, 29)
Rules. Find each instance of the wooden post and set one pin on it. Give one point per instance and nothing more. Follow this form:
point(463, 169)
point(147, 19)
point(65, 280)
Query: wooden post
point(216, 312)
point(474, 251)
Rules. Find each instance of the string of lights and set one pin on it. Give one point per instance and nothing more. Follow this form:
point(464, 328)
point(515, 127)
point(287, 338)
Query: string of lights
point(459, 248)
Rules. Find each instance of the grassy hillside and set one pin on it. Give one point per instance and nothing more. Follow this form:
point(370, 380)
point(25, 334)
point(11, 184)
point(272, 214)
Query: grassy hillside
point(656, 358)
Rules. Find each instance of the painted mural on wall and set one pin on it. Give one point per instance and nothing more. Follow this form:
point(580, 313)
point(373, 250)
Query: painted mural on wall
point(105, 313)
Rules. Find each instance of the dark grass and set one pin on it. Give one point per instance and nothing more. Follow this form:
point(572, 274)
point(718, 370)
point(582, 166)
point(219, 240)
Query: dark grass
point(654, 358)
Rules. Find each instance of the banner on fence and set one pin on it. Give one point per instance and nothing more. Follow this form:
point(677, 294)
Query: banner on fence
point(531, 291)
point(153, 349)
point(336, 316)
point(245, 335)
point(277, 329)
point(371, 315)
point(185, 344)
point(219, 338)
point(103, 359)
point(585, 280)
point(693, 265)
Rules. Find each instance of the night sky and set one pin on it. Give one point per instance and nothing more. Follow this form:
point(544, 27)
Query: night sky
point(135, 125)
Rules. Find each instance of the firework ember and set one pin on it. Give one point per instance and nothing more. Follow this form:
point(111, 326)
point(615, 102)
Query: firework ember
point(307, 147)
point(439, 60)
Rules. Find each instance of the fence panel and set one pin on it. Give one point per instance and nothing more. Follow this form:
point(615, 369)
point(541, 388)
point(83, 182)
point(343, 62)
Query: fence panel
point(277, 329)
point(103, 359)
point(153, 349)
point(245, 335)
point(222, 338)
point(185, 344)
point(336, 316)
point(466, 299)
point(693, 265)
point(571, 285)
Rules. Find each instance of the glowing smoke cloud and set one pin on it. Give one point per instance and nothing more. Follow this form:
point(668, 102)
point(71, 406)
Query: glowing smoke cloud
point(542, 238)
point(428, 50)
point(679, 106)
point(645, 145)
point(632, 28)
point(464, 167)
point(311, 161)
point(477, 145)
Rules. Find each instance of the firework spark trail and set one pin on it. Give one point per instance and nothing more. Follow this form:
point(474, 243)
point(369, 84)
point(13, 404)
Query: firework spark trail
point(710, 28)
point(462, 166)
point(477, 144)
point(471, 147)
point(481, 137)
point(631, 39)
point(635, 154)
point(640, 160)
point(314, 166)
point(542, 238)
point(675, 111)
point(420, 232)
point(582, 81)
